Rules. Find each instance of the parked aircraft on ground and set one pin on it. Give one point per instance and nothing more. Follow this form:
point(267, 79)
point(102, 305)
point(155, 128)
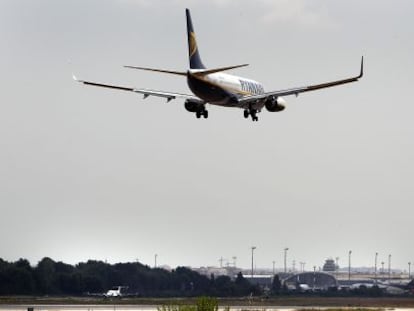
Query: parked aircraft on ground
point(116, 291)
point(214, 87)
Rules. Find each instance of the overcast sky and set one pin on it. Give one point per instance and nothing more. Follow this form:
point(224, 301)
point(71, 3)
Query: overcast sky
point(90, 173)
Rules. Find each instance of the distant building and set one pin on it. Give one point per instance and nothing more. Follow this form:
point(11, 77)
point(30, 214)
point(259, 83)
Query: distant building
point(329, 265)
point(410, 286)
point(209, 271)
point(264, 281)
point(217, 271)
point(315, 281)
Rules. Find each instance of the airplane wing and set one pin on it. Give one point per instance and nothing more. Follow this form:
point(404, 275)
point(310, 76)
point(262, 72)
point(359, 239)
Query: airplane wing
point(298, 90)
point(146, 92)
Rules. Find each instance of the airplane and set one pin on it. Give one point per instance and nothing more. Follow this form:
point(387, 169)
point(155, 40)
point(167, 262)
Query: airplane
point(214, 87)
point(116, 291)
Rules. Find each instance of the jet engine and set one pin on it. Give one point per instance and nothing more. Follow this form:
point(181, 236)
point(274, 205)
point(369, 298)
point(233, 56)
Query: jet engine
point(275, 104)
point(194, 106)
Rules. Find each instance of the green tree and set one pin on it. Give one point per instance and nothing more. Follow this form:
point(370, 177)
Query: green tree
point(224, 286)
point(243, 286)
point(45, 276)
point(276, 285)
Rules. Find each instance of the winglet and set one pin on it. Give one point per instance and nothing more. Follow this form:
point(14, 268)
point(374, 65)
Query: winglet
point(73, 75)
point(361, 73)
point(76, 79)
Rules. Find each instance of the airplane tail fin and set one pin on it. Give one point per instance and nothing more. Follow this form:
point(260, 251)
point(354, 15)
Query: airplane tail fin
point(193, 54)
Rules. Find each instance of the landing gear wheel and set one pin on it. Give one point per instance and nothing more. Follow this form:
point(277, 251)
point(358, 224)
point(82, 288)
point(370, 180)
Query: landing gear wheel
point(246, 113)
point(198, 114)
point(205, 114)
point(253, 113)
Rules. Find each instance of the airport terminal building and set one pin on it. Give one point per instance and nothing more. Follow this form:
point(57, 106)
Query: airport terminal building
point(311, 281)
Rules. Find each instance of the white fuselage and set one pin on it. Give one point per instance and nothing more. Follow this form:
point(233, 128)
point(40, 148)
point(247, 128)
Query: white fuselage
point(235, 84)
point(114, 292)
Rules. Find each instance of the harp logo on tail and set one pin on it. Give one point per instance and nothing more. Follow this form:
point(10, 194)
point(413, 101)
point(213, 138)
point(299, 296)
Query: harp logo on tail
point(193, 44)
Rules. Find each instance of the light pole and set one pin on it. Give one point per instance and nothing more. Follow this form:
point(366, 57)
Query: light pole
point(375, 271)
point(273, 267)
point(286, 249)
point(253, 248)
point(155, 260)
point(314, 277)
point(221, 261)
point(337, 266)
point(302, 266)
point(389, 267)
point(409, 269)
point(382, 267)
point(349, 265)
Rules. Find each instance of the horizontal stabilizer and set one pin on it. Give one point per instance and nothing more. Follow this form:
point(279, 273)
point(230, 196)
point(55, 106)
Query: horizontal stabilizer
point(200, 72)
point(203, 72)
point(181, 73)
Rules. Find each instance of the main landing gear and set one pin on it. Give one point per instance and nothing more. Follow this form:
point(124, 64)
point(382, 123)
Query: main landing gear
point(252, 113)
point(201, 113)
